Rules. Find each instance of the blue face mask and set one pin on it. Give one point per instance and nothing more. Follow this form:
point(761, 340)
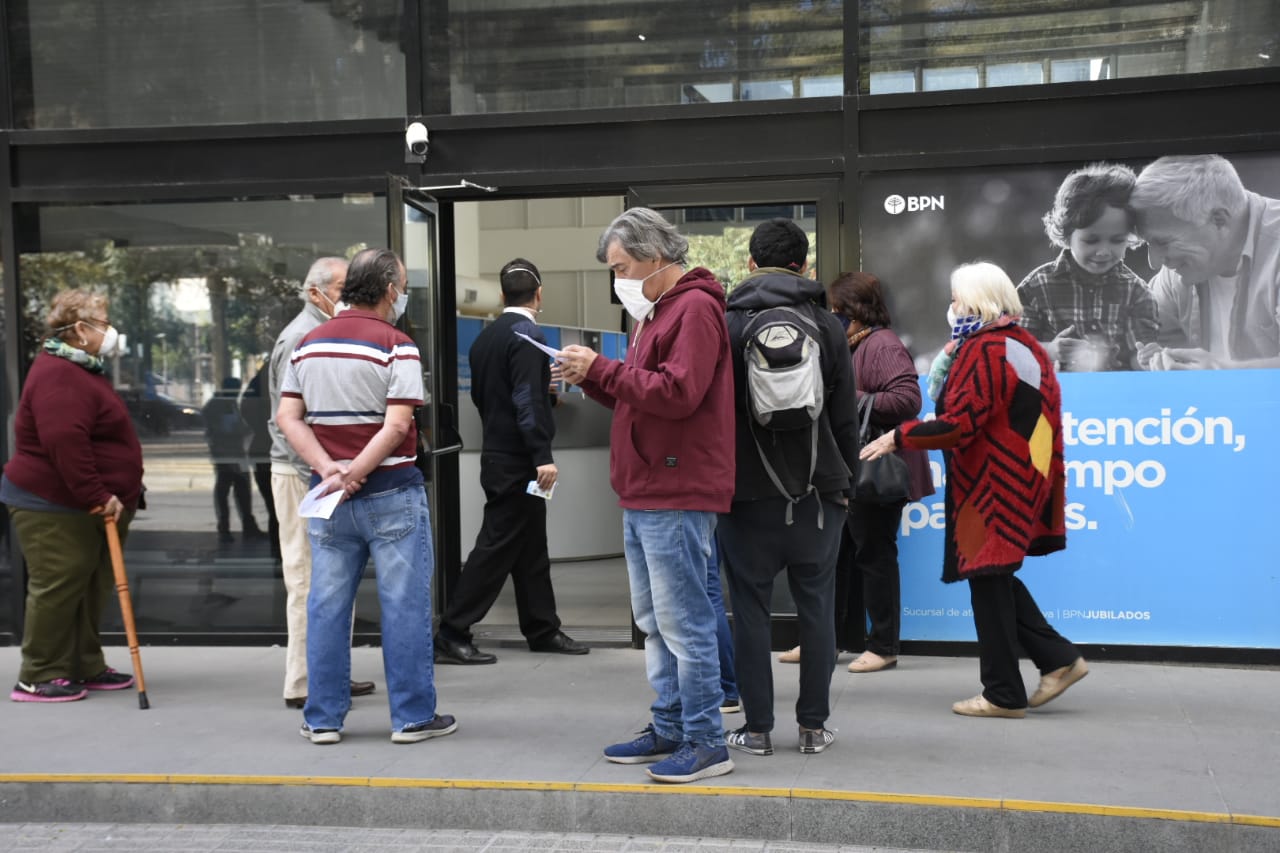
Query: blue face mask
point(844, 321)
point(962, 327)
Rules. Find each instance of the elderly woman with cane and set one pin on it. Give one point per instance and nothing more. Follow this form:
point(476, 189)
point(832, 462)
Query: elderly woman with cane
point(76, 464)
point(999, 417)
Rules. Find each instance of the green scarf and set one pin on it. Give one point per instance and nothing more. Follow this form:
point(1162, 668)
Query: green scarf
point(62, 349)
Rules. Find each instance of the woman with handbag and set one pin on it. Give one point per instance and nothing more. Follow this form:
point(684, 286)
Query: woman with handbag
point(888, 393)
point(999, 416)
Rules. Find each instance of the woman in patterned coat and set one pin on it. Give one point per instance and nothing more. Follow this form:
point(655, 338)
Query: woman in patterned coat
point(999, 419)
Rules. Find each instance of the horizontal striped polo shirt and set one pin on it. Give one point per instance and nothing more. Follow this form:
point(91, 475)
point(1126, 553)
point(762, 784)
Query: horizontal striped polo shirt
point(346, 372)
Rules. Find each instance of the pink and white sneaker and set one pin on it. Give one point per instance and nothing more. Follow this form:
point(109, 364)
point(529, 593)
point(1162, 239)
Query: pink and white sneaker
point(55, 690)
point(108, 679)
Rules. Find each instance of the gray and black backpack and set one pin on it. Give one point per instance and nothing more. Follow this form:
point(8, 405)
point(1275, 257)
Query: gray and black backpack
point(784, 386)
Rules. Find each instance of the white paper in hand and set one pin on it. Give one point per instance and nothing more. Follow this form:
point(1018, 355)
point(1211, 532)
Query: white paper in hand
point(317, 505)
point(537, 491)
point(551, 351)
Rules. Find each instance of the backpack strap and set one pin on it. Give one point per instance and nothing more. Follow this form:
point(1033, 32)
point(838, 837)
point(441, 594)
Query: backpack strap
point(777, 481)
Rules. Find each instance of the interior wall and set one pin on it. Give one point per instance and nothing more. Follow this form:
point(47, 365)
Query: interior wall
point(559, 235)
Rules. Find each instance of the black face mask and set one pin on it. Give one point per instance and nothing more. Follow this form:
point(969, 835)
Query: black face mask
point(844, 321)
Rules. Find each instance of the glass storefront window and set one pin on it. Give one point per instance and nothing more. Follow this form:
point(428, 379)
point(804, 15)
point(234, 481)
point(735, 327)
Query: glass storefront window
point(157, 63)
point(199, 290)
point(930, 45)
point(527, 57)
point(10, 569)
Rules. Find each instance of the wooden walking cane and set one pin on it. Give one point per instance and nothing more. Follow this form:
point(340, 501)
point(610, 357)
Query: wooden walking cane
point(126, 607)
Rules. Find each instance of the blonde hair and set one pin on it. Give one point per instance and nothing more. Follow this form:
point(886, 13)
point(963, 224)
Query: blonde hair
point(71, 306)
point(984, 289)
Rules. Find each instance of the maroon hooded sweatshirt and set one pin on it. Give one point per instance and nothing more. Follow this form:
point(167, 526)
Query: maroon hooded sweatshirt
point(671, 444)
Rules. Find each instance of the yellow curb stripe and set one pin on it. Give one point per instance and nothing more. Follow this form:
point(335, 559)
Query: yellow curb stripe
point(897, 799)
point(649, 789)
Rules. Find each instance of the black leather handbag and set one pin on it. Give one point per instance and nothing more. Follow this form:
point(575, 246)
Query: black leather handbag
point(884, 480)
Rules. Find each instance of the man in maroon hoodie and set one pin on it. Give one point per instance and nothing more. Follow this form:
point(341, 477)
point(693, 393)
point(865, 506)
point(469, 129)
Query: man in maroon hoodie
point(671, 462)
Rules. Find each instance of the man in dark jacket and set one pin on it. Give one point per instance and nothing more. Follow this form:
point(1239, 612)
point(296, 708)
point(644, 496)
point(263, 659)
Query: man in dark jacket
point(509, 382)
point(766, 530)
point(671, 463)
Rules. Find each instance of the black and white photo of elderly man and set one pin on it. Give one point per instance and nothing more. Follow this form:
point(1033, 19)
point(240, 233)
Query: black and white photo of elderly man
point(1215, 247)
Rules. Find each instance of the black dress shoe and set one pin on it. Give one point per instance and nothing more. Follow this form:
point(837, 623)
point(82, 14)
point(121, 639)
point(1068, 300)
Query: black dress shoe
point(358, 688)
point(463, 654)
point(560, 643)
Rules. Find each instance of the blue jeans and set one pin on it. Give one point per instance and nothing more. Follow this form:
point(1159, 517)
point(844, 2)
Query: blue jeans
point(394, 528)
point(724, 635)
point(667, 553)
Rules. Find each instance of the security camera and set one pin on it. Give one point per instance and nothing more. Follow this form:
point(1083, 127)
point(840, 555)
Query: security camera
point(415, 139)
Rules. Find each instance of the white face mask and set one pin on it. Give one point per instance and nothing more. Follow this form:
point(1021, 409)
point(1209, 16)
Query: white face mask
point(110, 342)
point(631, 293)
point(401, 303)
point(334, 307)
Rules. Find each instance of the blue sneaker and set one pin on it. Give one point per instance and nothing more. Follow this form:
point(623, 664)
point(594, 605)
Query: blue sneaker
point(650, 746)
point(692, 762)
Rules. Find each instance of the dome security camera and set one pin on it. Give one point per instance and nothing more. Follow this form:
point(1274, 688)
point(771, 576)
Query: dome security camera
point(415, 139)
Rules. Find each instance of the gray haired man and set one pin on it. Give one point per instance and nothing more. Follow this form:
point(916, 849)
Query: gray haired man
point(1215, 247)
point(290, 474)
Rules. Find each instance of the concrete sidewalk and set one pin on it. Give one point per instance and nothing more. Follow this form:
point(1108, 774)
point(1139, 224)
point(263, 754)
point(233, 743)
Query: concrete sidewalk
point(1135, 757)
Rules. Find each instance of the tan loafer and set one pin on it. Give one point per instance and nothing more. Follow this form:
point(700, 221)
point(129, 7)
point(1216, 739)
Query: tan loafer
point(978, 706)
point(792, 656)
point(872, 662)
point(1054, 684)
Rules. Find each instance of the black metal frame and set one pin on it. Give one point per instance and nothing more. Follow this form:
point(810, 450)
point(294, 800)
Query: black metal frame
point(606, 152)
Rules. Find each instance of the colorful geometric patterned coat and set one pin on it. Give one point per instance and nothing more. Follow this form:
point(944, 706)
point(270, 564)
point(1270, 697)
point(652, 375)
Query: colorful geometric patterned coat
point(1000, 419)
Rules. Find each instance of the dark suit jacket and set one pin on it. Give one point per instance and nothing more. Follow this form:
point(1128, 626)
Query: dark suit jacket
point(509, 380)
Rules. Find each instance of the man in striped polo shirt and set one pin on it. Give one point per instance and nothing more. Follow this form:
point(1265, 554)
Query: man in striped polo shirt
point(347, 409)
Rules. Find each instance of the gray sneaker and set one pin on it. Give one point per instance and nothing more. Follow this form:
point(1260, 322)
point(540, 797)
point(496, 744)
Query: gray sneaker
point(438, 726)
point(813, 741)
point(756, 743)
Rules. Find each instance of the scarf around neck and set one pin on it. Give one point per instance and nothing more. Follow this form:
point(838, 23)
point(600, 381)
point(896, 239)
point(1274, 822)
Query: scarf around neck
point(947, 355)
point(62, 349)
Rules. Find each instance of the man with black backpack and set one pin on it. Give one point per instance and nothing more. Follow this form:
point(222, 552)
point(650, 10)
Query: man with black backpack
point(797, 444)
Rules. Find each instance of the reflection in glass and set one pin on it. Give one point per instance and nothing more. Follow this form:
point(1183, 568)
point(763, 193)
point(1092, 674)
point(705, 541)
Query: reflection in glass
point(199, 292)
point(544, 55)
point(719, 237)
point(162, 63)
point(923, 45)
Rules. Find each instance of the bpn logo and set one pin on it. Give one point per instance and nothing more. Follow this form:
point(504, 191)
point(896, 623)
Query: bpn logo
point(896, 204)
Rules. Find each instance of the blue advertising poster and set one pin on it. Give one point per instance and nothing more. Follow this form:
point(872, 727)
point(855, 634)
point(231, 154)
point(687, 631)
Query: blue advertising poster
point(1171, 484)
point(1171, 446)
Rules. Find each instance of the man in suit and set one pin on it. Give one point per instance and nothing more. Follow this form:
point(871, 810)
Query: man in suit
point(509, 382)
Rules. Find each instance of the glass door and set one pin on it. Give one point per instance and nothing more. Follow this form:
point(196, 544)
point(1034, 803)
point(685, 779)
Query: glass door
point(413, 227)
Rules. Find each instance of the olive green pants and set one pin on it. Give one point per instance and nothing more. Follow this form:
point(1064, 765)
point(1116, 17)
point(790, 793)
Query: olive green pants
point(69, 581)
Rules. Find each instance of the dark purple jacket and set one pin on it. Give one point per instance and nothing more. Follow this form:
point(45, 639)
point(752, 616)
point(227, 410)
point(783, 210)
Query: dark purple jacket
point(882, 365)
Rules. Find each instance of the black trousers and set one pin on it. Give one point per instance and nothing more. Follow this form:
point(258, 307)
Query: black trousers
point(262, 476)
point(230, 478)
point(868, 587)
point(512, 542)
point(1007, 617)
point(757, 544)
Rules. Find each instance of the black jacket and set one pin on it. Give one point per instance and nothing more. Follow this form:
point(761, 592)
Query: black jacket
point(509, 381)
point(789, 452)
